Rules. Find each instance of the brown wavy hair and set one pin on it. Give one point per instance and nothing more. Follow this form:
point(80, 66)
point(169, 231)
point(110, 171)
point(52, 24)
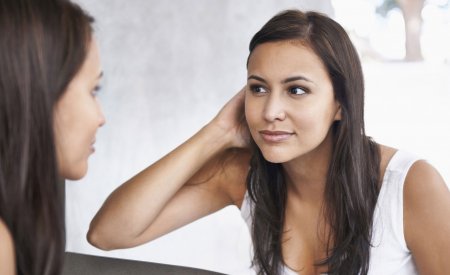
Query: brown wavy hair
point(351, 189)
point(43, 44)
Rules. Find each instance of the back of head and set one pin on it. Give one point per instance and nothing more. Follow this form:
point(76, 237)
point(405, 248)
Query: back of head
point(42, 46)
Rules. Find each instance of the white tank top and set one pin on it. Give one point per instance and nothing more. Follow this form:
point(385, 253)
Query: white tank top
point(389, 254)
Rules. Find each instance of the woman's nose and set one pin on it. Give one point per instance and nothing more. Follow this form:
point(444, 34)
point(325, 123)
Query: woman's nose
point(274, 108)
point(101, 117)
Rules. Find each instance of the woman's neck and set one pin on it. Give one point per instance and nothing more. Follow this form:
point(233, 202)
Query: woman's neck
point(306, 175)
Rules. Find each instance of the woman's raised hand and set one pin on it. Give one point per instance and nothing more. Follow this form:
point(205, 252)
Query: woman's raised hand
point(231, 121)
point(183, 186)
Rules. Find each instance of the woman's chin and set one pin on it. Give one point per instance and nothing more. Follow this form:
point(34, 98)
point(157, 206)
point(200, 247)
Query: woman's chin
point(74, 173)
point(275, 158)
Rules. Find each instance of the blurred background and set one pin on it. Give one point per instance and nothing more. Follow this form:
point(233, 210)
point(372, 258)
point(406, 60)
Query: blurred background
point(170, 65)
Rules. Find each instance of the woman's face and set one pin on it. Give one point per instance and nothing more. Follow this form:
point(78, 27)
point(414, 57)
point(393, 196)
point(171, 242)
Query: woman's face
point(289, 102)
point(77, 116)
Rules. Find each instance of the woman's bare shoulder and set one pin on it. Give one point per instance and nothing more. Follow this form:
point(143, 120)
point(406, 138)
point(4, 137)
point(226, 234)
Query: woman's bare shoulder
point(423, 180)
point(7, 255)
point(426, 212)
point(236, 163)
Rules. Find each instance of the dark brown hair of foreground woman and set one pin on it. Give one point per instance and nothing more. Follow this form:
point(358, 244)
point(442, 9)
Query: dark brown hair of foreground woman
point(42, 46)
point(351, 188)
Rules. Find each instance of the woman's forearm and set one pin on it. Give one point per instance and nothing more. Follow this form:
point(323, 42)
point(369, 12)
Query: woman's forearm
point(133, 207)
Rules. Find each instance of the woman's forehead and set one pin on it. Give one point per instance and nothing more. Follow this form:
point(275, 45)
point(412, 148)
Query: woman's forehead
point(285, 58)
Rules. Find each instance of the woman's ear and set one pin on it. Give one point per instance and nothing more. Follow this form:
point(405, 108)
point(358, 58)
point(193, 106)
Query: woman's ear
point(338, 115)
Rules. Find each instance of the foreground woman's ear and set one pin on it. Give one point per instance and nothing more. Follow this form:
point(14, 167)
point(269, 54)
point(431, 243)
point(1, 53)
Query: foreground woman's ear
point(338, 115)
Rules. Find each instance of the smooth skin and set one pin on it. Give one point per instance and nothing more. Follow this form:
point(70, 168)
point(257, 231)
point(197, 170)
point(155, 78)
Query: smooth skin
point(7, 254)
point(289, 107)
point(77, 117)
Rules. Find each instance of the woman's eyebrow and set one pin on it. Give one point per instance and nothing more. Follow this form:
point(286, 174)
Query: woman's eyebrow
point(257, 78)
point(295, 78)
point(287, 80)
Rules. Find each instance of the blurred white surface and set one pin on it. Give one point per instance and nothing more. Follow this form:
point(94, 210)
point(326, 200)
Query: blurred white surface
point(408, 107)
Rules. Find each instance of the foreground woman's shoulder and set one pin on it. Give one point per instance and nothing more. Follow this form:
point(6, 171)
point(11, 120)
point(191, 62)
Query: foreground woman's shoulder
point(7, 255)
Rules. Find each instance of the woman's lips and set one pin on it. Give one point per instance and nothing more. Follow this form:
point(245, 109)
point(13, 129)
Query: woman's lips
point(93, 147)
point(275, 136)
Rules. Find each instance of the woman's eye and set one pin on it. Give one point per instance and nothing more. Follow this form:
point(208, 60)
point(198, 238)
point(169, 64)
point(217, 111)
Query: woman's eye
point(258, 89)
point(96, 91)
point(297, 91)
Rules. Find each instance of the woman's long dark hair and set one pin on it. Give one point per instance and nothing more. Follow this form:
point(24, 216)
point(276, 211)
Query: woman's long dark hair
point(43, 44)
point(351, 189)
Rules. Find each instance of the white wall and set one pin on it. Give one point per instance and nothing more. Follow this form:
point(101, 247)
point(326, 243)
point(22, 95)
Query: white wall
point(169, 67)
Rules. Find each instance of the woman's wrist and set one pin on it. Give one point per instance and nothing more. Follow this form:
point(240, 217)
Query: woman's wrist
point(217, 137)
